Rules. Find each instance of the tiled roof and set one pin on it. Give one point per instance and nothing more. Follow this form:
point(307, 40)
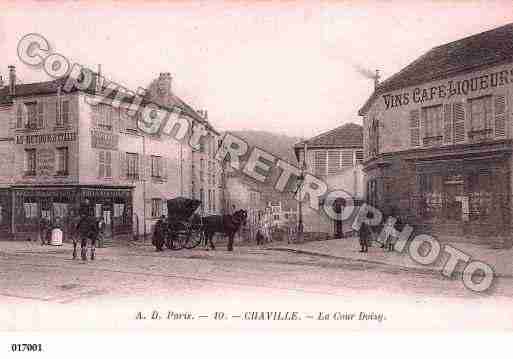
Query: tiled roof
point(348, 135)
point(481, 50)
point(51, 87)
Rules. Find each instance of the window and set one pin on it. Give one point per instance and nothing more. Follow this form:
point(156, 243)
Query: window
point(202, 168)
point(32, 119)
point(19, 116)
point(347, 159)
point(333, 162)
point(64, 116)
point(156, 166)
point(214, 200)
point(30, 162)
point(104, 117)
point(359, 157)
point(105, 164)
point(98, 210)
point(374, 138)
point(481, 113)
point(60, 210)
point(320, 163)
point(432, 121)
point(132, 165)
point(118, 210)
point(62, 161)
point(156, 207)
point(209, 200)
point(30, 209)
point(276, 217)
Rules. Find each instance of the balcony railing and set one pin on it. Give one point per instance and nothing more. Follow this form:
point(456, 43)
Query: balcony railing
point(480, 135)
point(432, 140)
point(132, 176)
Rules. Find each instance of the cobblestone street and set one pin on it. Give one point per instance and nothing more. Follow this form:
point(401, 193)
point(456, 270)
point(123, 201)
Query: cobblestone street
point(107, 293)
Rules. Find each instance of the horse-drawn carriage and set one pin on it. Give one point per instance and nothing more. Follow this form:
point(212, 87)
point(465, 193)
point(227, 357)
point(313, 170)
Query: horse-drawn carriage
point(183, 229)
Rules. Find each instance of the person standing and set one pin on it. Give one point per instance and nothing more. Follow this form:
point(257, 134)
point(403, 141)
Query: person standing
point(87, 228)
point(364, 235)
point(158, 234)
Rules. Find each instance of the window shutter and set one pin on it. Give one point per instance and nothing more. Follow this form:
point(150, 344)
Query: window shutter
point(143, 166)
point(500, 114)
point(163, 163)
point(101, 164)
point(21, 115)
point(55, 107)
point(108, 164)
point(414, 128)
point(458, 122)
point(447, 123)
point(423, 114)
point(40, 114)
point(122, 165)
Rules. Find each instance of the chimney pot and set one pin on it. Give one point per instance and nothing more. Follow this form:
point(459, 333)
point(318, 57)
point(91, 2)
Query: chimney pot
point(12, 80)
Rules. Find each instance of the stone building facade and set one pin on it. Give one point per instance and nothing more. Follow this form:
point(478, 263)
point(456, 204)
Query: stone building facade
point(438, 139)
point(62, 148)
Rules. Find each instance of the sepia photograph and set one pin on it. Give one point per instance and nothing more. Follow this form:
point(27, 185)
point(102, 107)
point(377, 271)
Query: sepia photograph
point(186, 167)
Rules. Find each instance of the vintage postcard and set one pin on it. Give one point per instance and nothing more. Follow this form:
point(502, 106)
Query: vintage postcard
point(180, 166)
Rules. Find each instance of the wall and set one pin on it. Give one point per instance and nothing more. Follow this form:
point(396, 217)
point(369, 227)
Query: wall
point(394, 126)
point(47, 145)
point(6, 147)
point(350, 181)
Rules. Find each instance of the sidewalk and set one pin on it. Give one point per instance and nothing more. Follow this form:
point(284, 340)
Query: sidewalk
point(501, 260)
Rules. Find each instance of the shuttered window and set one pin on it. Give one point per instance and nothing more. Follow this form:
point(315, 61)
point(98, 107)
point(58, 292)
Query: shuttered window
point(415, 128)
point(481, 113)
point(320, 163)
point(458, 122)
point(333, 162)
point(104, 164)
point(447, 123)
point(500, 115)
point(347, 159)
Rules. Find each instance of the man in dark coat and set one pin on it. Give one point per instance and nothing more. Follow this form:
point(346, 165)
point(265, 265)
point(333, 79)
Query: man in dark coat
point(159, 234)
point(87, 228)
point(364, 234)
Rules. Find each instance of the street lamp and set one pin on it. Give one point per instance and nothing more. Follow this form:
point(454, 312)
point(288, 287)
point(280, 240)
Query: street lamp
point(300, 225)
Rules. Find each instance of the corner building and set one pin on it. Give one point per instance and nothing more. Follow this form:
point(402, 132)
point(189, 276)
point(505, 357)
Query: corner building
point(58, 149)
point(438, 140)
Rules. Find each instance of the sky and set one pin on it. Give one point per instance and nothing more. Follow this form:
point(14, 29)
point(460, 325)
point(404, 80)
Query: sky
point(295, 67)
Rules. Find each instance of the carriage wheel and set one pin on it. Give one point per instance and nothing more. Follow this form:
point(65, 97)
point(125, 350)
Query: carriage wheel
point(195, 239)
point(177, 241)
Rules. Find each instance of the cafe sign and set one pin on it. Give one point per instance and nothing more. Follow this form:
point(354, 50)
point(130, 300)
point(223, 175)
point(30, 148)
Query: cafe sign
point(421, 95)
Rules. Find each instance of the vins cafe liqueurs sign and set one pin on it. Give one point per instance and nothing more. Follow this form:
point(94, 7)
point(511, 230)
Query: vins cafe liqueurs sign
point(421, 95)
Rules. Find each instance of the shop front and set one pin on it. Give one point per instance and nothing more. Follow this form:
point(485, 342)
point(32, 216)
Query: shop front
point(60, 204)
point(464, 197)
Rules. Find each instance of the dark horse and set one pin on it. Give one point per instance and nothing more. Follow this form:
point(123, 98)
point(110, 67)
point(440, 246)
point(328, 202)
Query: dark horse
point(227, 224)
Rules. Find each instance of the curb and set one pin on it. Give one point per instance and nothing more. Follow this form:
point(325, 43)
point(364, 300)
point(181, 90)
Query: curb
point(400, 267)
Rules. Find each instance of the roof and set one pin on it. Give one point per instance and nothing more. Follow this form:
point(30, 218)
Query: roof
point(485, 49)
point(51, 87)
point(349, 135)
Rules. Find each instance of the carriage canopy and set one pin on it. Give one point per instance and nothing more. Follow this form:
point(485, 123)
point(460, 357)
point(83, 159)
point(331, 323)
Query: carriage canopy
point(181, 208)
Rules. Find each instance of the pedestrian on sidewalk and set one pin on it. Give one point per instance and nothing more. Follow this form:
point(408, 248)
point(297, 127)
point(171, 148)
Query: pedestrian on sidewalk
point(364, 236)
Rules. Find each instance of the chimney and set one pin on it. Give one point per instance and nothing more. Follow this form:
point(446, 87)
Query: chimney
point(12, 80)
point(376, 79)
point(164, 83)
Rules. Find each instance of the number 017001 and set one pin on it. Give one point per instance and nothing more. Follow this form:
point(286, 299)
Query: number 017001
point(26, 347)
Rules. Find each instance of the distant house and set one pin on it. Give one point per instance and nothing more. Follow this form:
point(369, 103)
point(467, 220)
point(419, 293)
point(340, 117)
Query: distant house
point(336, 157)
